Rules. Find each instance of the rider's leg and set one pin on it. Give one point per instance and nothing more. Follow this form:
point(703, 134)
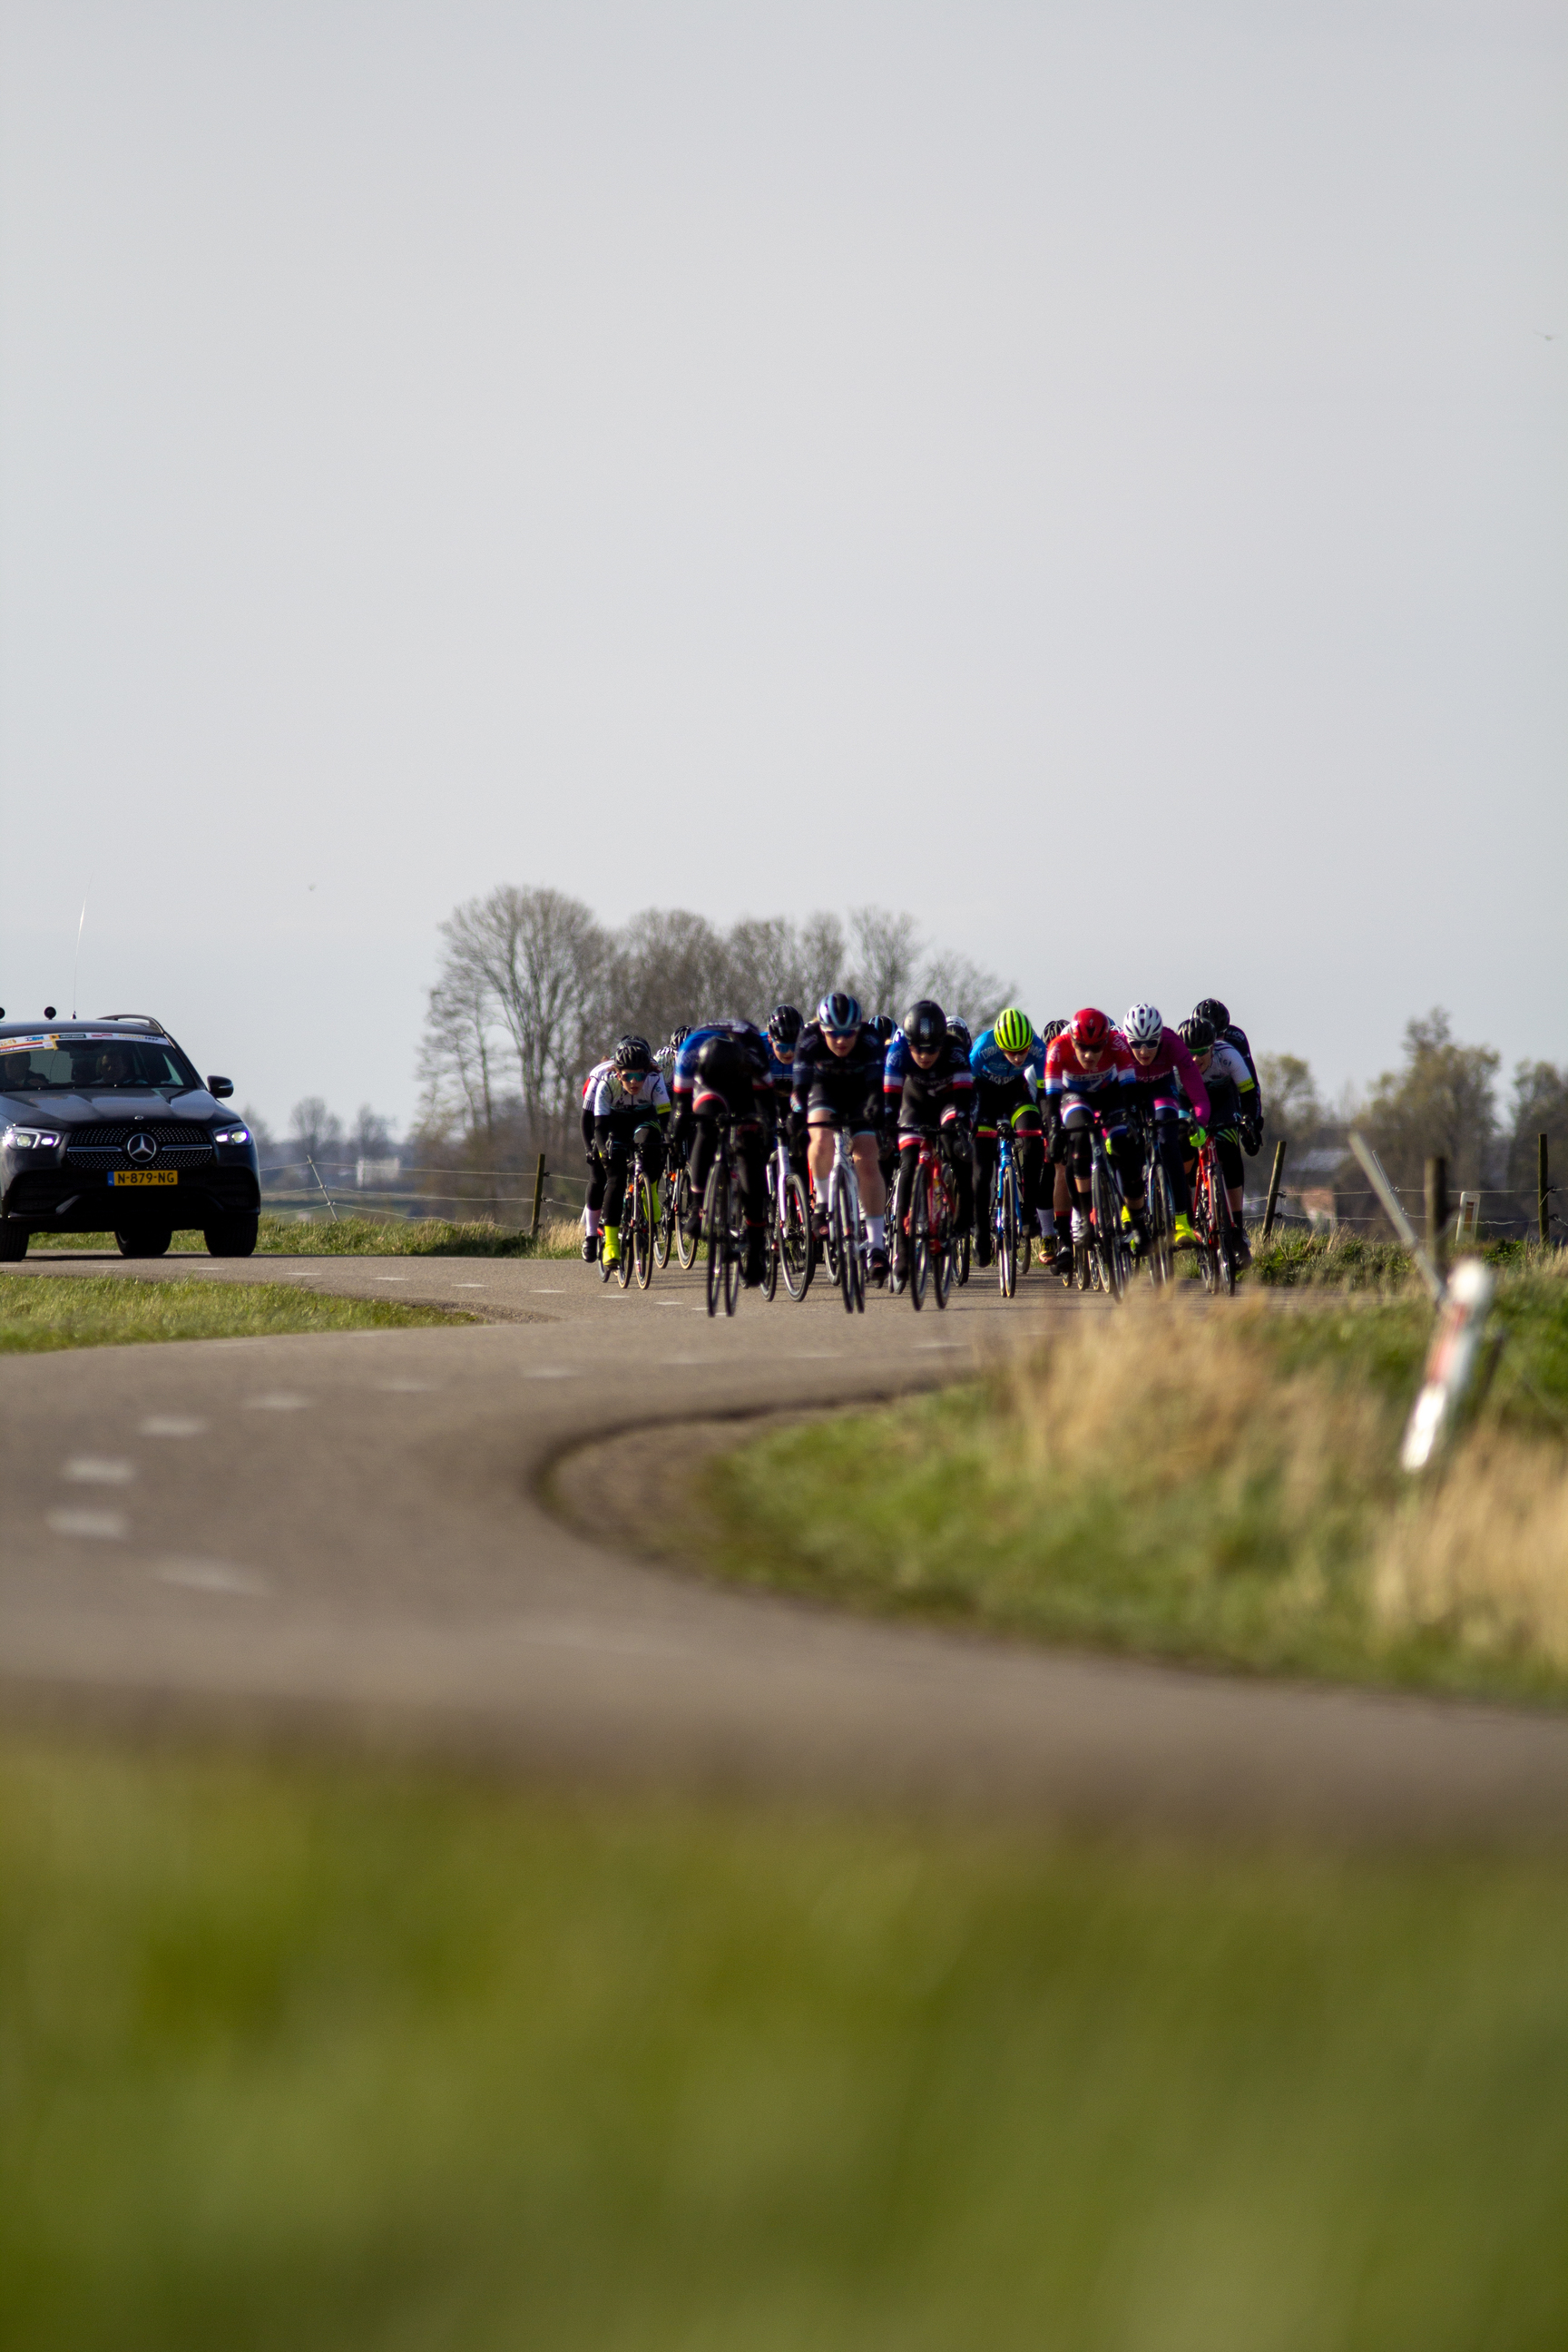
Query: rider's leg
point(1078, 1122)
point(821, 1126)
point(753, 1148)
point(704, 1143)
point(903, 1193)
point(985, 1192)
point(873, 1191)
point(961, 1160)
point(1029, 1145)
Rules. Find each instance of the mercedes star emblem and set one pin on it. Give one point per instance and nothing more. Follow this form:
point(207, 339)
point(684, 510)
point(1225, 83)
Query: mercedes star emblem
point(141, 1147)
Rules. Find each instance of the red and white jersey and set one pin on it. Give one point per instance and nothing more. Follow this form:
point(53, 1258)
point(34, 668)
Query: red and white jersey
point(1067, 1076)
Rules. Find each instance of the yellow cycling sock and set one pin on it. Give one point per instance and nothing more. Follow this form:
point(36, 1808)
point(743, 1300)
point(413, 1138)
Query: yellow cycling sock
point(612, 1243)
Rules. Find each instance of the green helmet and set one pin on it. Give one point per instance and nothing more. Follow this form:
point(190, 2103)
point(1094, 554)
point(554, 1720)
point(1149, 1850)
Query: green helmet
point(1015, 1031)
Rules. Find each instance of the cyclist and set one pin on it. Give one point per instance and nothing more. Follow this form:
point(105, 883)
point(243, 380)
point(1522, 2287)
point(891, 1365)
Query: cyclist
point(927, 1082)
point(1229, 1085)
point(625, 1105)
point(1008, 1061)
point(1090, 1072)
point(838, 1083)
point(720, 1071)
point(1168, 1078)
point(1226, 1032)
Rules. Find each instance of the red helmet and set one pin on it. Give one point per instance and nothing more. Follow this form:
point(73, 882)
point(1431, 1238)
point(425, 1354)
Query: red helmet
point(1089, 1028)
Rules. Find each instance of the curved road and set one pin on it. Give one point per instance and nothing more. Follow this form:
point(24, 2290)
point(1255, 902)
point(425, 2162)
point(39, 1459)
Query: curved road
point(341, 1536)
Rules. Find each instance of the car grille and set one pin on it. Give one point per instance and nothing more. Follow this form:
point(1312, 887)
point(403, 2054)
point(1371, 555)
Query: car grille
point(181, 1145)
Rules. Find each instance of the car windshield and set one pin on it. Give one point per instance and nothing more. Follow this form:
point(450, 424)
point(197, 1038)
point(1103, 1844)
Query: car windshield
point(92, 1062)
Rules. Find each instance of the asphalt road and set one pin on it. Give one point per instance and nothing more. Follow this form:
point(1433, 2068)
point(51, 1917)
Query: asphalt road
point(340, 1536)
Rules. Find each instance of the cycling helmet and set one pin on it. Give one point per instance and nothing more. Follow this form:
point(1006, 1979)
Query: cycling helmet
point(925, 1024)
point(784, 1026)
point(677, 1038)
point(1015, 1031)
point(1143, 1026)
point(1091, 1028)
point(633, 1053)
point(839, 1012)
point(1052, 1029)
point(1197, 1035)
point(882, 1028)
point(1216, 1014)
point(959, 1032)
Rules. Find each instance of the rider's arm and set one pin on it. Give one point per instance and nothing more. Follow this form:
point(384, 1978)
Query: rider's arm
point(1191, 1076)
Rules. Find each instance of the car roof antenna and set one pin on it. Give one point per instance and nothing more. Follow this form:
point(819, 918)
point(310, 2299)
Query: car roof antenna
point(76, 965)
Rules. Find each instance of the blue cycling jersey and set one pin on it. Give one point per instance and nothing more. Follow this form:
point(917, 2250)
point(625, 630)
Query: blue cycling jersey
point(745, 1033)
point(990, 1064)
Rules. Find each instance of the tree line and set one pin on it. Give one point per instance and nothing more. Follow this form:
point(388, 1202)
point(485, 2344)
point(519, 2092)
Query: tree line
point(533, 987)
point(1443, 1099)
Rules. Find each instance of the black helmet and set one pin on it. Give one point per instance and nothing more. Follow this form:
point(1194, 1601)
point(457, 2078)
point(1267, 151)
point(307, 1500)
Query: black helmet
point(1216, 1014)
point(784, 1026)
point(925, 1024)
point(882, 1028)
point(1197, 1035)
point(677, 1037)
point(959, 1032)
point(633, 1053)
point(840, 1013)
point(1052, 1029)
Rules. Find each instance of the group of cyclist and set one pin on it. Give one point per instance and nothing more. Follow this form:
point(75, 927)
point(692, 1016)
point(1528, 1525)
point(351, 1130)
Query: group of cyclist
point(886, 1088)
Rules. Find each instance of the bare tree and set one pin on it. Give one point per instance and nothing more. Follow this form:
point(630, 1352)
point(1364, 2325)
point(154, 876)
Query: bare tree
point(667, 967)
point(1442, 1101)
point(540, 956)
point(315, 1127)
point(456, 1055)
point(887, 955)
point(966, 989)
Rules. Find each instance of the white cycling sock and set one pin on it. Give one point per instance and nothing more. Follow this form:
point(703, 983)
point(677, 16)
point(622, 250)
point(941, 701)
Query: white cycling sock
point(592, 1221)
point(1079, 1225)
point(875, 1231)
point(1047, 1224)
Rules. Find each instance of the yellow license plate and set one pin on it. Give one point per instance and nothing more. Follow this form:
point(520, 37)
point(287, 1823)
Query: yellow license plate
point(145, 1176)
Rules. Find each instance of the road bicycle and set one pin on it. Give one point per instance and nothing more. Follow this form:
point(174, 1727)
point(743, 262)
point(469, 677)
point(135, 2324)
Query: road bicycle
point(846, 1228)
point(675, 1206)
point(1161, 1209)
point(1214, 1223)
point(1101, 1259)
point(1007, 1214)
point(723, 1224)
point(640, 1223)
point(789, 1226)
point(933, 1223)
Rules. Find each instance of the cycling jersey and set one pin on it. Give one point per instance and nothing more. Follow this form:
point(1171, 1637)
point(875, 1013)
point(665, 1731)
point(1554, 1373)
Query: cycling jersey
point(1108, 1089)
point(748, 1038)
point(1232, 1089)
point(1173, 1075)
point(846, 1085)
point(917, 1098)
point(992, 1067)
point(616, 1091)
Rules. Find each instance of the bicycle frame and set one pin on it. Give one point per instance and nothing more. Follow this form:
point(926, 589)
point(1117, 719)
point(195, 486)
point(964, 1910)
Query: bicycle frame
point(846, 1227)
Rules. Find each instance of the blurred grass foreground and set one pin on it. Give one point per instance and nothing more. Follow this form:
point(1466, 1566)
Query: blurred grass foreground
point(296, 2056)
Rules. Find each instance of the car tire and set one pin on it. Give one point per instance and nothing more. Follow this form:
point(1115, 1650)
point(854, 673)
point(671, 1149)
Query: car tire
point(232, 1236)
point(151, 1242)
point(14, 1239)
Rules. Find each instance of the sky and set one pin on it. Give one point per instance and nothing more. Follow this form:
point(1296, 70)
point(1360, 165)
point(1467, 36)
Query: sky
point(1094, 477)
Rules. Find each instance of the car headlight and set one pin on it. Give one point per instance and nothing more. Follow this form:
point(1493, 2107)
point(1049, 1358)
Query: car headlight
point(28, 1139)
point(232, 1135)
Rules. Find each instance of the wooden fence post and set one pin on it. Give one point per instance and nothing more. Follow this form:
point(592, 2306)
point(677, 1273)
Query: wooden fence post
point(1436, 1209)
point(538, 1197)
point(1275, 1173)
point(1542, 1206)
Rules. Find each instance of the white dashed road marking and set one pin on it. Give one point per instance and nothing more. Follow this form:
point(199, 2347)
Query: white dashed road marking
point(112, 1526)
point(96, 1470)
point(173, 1424)
point(279, 1401)
point(213, 1576)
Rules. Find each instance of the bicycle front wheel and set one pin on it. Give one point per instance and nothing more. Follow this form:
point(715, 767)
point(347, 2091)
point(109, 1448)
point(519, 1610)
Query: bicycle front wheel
point(645, 1225)
point(1007, 1232)
point(794, 1239)
point(685, 1248)
point(940, 1217)
point(1162, 1226)
point(840, 1241)
point(1108, 1230)
point(716, 1229)
point(664, 1223)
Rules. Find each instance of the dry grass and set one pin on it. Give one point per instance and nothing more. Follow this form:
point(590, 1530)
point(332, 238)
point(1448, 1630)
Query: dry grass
point(1482, 1560)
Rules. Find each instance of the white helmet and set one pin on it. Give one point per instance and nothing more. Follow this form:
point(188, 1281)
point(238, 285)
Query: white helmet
point(1143, 1026)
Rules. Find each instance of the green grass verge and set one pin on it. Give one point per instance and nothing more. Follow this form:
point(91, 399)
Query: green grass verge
point(1291, 1259)
point(1221, 1487)
point(362, 1237)
point(106, 1310)
point(298, 2058)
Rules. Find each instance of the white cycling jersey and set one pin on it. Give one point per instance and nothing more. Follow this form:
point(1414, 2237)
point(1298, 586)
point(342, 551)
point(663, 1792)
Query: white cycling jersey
point(616, 1090)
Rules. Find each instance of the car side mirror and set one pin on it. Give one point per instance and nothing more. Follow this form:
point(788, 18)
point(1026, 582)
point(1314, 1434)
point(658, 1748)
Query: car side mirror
point(221, 1089)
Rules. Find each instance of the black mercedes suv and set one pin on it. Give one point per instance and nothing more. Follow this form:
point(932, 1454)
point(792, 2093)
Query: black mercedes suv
point(105, 1124)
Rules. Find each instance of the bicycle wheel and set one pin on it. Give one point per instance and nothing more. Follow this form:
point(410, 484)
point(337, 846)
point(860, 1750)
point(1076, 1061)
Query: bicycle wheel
point(685, 1248)
point(940, 1215)
point(961, 1261)
point(1082, 1258)
point(1225, 1267)
point(664, 1225)
point(716, 1228)
point(1109, 1244)
point(920, 1242)
point(794, 1239)
point(772, 1251)
point(1161, 1225)
point(645, 1225)
point(1204, 1220)
point(624, 1262)
point(1007, 1232)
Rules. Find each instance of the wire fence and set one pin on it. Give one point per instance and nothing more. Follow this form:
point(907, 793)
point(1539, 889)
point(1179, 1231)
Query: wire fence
point(455, 1194)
